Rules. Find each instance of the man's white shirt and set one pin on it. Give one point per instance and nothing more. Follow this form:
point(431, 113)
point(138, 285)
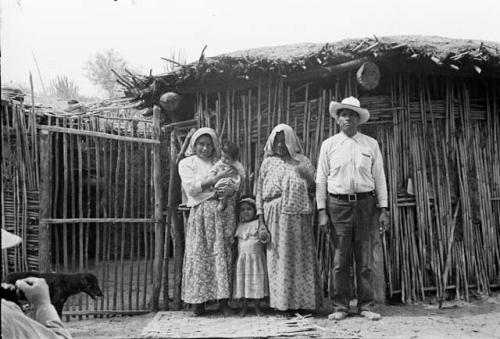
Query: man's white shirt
point(348, 165)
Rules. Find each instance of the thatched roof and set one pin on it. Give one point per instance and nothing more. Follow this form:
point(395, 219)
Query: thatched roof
point(425, 46)
point(431, 54)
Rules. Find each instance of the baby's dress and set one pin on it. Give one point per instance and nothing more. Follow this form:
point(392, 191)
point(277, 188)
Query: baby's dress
point(250, 278)
point(233, 181)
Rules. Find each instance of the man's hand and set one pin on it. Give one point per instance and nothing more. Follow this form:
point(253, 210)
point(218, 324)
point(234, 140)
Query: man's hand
point(323, 221)
point(384, 220)
point(36, 290)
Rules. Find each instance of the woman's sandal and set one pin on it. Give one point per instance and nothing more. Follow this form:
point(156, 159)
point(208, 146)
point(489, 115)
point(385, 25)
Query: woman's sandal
point(259, 312)
point(225, 309)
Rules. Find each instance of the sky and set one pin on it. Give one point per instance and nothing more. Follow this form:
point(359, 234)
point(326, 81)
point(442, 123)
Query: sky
point(61, 35)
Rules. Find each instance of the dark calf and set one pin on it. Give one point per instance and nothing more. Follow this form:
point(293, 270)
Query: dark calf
point(62, 286)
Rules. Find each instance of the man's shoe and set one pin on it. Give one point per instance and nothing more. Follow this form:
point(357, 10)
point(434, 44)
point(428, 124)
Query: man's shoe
point(338, 315)
point(370, 315)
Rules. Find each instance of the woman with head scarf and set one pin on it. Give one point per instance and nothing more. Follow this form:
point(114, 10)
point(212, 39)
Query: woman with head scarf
point(207, 270)
point(286, 178)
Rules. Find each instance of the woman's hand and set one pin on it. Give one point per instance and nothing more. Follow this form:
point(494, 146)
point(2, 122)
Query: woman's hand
point(225, 191)
point(302, 170)
point(226, 173)
point(305, 173)
point(211, 179)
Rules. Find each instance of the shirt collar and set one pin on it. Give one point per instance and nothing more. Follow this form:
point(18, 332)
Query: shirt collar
point(344, 137)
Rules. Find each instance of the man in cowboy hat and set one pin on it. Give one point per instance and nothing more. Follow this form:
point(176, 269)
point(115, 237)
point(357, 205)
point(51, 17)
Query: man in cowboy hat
point(350, 185)
point(15, 324)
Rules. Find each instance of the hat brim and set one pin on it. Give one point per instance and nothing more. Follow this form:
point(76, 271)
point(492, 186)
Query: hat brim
point(364, 114)
point(9, 239)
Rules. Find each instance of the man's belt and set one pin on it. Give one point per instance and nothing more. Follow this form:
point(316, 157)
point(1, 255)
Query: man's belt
point(354, 196)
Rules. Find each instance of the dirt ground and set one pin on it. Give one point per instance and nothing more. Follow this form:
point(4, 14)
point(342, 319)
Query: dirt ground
point(479, 318)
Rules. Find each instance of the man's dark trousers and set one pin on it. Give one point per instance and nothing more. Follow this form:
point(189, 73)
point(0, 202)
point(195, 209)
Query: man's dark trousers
point(353, 228)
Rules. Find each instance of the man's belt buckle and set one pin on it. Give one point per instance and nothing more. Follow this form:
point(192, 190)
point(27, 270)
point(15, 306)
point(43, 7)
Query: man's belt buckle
point(352, 197)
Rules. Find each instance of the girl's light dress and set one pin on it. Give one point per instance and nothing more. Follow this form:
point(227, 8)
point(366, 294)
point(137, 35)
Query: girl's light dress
point(250, 278)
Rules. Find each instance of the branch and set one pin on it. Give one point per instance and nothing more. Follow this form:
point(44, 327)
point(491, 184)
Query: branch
point(173, 61)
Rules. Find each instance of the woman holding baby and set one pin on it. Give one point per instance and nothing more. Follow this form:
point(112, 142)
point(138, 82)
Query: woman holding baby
point(207, 270)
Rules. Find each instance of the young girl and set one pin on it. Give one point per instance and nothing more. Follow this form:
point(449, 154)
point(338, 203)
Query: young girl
point(250, 279)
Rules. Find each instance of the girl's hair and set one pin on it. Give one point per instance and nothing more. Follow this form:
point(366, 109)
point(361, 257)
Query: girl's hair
point(231, 149)
point(248, 199)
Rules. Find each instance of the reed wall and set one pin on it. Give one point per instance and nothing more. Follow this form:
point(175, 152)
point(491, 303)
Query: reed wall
point(438, 134)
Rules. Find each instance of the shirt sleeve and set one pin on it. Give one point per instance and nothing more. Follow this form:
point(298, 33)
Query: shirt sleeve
point(46, 315)
point(187, 172)
point(379, 178)
point(321, 177)
point(47, 324)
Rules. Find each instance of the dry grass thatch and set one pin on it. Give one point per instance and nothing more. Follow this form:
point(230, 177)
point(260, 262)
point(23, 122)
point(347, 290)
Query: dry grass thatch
point(457, 57)
point(436, 46)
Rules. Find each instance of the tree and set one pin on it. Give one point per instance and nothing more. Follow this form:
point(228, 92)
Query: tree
point(64, 88)
point(99, 70)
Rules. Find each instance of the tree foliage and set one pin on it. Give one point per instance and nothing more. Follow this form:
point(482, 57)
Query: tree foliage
point(99, 70)
point(64, 88)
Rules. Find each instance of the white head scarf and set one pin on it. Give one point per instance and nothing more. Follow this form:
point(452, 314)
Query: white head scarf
point(292, 142)
point(191, 150)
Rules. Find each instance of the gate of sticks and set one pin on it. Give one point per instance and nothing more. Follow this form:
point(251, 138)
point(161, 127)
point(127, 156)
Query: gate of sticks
point(101, 209)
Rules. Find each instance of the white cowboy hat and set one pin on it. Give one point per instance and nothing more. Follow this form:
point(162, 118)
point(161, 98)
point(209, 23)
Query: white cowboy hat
point(352, 104)
point(9, 239)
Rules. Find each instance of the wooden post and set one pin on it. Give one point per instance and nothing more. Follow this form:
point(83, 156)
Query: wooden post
point(44, 246)
point(177, 228)
point(160, 222)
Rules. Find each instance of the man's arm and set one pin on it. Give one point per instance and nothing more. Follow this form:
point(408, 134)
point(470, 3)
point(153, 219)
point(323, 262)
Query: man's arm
point(321, 186)
point(381, 190)
point(321, 178)
point(47, 324)
point(379, 178)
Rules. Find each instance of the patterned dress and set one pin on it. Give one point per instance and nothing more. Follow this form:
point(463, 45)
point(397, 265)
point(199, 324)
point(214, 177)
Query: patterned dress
point(207, 268)
point(291, 262)
point(250, 278)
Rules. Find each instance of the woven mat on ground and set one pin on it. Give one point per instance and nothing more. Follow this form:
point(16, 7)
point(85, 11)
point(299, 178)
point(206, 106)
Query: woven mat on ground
point(184, 325)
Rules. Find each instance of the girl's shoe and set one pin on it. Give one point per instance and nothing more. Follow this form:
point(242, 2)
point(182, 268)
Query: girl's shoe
point(225, 309)
point(243, 312)
point(198, 309)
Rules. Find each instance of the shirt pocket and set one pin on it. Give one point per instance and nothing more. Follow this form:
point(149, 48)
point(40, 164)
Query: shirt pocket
point(366, 160)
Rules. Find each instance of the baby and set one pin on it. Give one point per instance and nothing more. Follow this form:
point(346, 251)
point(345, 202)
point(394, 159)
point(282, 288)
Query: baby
point(229, 158)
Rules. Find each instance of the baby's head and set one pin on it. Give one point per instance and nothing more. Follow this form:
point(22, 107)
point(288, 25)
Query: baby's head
point(229, 152)
point(247, 209)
